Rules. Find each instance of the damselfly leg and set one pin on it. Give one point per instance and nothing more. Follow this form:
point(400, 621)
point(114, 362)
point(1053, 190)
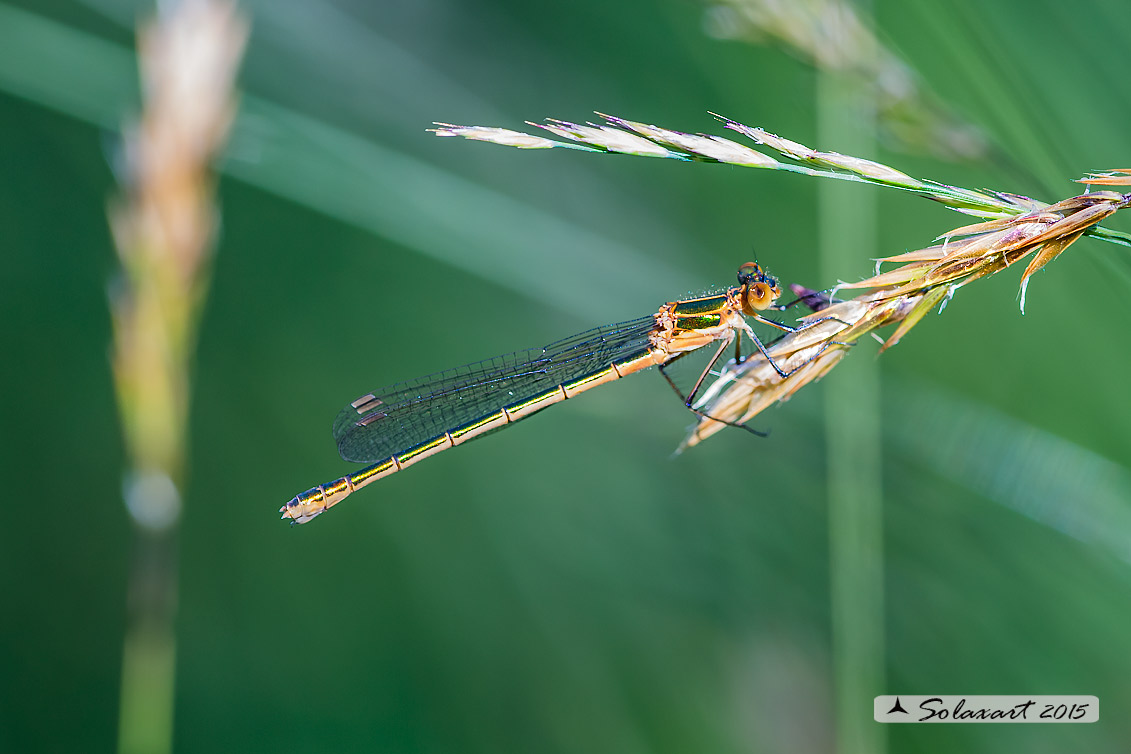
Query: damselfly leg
point(689, 399)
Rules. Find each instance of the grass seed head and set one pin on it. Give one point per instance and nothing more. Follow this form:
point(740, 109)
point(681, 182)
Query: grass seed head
point(924, 280)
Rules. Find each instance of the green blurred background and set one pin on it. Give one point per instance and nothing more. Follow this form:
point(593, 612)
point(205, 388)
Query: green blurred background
point(566, 585)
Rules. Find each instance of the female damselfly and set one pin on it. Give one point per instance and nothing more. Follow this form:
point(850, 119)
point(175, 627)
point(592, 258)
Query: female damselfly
point(396, 426)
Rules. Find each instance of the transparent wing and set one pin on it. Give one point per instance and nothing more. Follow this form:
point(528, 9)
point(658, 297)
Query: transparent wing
point(393, 419)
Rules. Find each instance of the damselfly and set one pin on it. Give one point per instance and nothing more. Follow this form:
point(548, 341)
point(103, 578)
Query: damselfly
point(396, 426)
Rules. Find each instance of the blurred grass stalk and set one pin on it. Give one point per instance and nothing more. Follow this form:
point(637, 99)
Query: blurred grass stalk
point(164, 224)
point(835, 36)
point(847, 107)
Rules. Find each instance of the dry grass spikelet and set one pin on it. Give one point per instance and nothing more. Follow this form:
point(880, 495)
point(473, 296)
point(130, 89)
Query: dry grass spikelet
point(926, 278)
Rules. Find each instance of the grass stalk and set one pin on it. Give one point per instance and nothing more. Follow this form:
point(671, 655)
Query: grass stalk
point(847, 220)
point(164, 224)
point(621, 136)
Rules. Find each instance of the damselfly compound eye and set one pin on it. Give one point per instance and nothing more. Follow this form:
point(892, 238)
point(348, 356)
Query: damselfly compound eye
point(749, 272)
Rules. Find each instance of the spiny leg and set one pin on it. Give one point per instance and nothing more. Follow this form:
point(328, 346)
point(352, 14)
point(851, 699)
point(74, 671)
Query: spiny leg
point(757, 341)
point(817, 301)
point(811, 300)
point(806, 326)
point(777, 368)
point(710, 364)
point(690, 399)
point(782, 326)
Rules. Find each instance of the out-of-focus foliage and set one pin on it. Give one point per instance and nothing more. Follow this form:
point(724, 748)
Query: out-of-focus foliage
point(564, 585)
point(832, 35)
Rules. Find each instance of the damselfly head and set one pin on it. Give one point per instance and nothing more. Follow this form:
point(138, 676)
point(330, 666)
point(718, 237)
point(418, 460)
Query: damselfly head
point(759, 290)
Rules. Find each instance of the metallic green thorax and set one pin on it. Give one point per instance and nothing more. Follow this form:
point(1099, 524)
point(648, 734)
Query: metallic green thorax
point(704, 322)
point(707, 305)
